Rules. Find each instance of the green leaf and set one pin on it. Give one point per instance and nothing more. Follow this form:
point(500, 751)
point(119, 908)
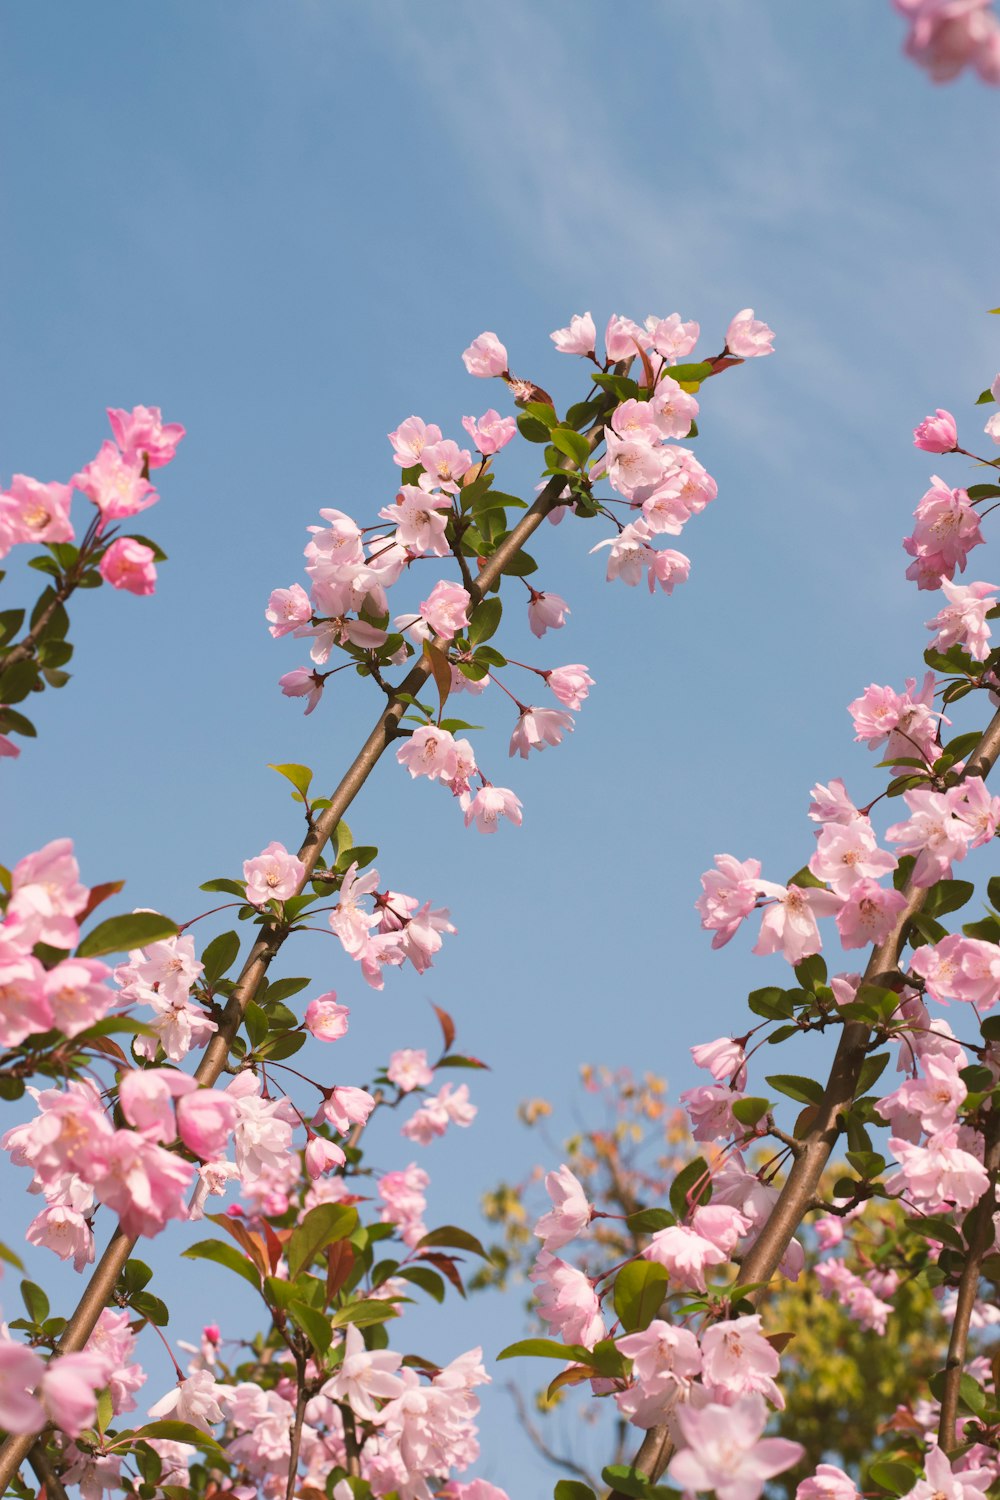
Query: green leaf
point(427, 1280)
point(805, 1090)
point(256, 1023)
point(811, 972)
point(226, 887)
point(224, 1255)
point(640, 1288)
point(649, 1220)
point(693, 373)
point(135, 1276)
point(694, 1179)
point(151, 1308)
point(132, 930)
point(771, 1003)
point(35, 1301)
point(970, 1393)
point(532, 429)
point(320, 1227)
point(946, 896)
point(572, 444)
point(542, 411)
point(926, 928)
point(286, 1044)
point(547, 1349)
point(17, 681)
point(364, 1313)
point(314, 1325)
point(619, 385)
point(452, 1238)
point(936, 1229)
point(11, 621)
point(219, 956)
point(626, 1480)
point(300, 776)
point(284, 989)
point(485, 620)
point(178, 1432)
point(895, 1477)
point(572, 1489)
point(804, 879)
point(748, 1111)
point(867, 1164)
point(871, 1069)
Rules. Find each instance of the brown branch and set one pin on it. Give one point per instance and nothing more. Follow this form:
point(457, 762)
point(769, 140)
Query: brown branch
point(25, 650)
point(980, 1233)
point(800, 1189)
point(44, 1472)
point(105, 1274)
point(301, 1399)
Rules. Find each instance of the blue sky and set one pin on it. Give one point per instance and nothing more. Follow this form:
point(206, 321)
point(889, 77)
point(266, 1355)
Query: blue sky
point(282, 225)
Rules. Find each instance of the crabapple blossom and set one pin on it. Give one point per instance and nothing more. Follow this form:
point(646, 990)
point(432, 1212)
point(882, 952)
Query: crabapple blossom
point(410, 438)
point(570, 1213)
point(288, 610)
point(344, 1106)
point(24, 1009)
point(725, 1452)
point(142, 434)
point(115, 484)
point(489, 805)
point(667, 568)
point(671, 337)
point(129, 565)
point(579, 338)
point(737, 1360)
point(571, 684)
point(143, 1184)
point(450, 1105)
point(943, 1480)
point(790, 924)
point(429, 752)
point(364, 1376)
point(933, 833)
point(205, 1121)
point(846, 852)
point(46, 896)
point(325, 1019)
point(868, 913)
point(937, 434)
point(445, 464)
point(831, 804)
point(446, 609)
point(538, 727)
point(947, 528)
point(194, 1400)
point(940, 1171)
point(710, 1110)
point(485, 356)
point(273, 875)
point(34, 512)
point(21, 1370)
point(933, 1100)
point(626, 559)
point(69, 1390)
point(301, 683)
point(566, 1300)
point(64, 1231)
point(725, 1059)
point(673, 408)
point(408, 1069)
point(621, 338)
point(685, 1254)
point(828, 1483)
point(491, 432)
point(729, 895)
point(323, 1156)
point(402, 1193)
point(963, 620)
point(747, 337)
point(546, 611)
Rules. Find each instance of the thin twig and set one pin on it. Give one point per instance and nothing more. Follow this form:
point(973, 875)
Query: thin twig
point(558, 1459)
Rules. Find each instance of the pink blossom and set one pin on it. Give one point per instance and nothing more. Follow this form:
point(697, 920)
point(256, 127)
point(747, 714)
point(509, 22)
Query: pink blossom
point(662, 1354)
point(579, 338)
point(571, 684)
point(538, 727)
point(408, 1069)
point(673, 408)
point(671, 337)
point(142, 434)
point(627, 557)
point(790, 924)
point(566, 1300)
point(77, 994)
point(725, 1059)
point(288, 610)
point(963, 620)
point(24, 1007)
point(446, 609)
point(634, 464)
point(746, 336)
point(45, 897)
point(979, 810)
point(147, 1099)
point(403, 1195)
point(570, 1213)
point(937, 434)
point(323, 1156)
point(34, 512)
point(489, 805)
point(729, 896)
point(410, 438)
point(933, 833)
point(621, 337)
point(710, 1110)
point(273, 875)
point(933, 1100)
point(69, 1390)
point(831, 804)
point(946, 530)
point(325, 1019)
point(491, 432)
point(64, 1231)
point(475, 1489)
point(828, 1483)
point(143, 1184)
point(685, 1254)
point(263, 1136)
point(8, 748)
point(696, 487)
point(345, 1106)
point(944, 1481)
point(546, 612)
point(429, 752)
point(115, 484)
point(194, 1400)
point(205, 1121)
point(70, 1128)
point(485, 356)
point(113, 1342)
point(21, 1370)
point(949, 35)
point(725, 1451)
point(868, 914)
point(364, 1376)
point(445, 463)
point(301, 683)
point(450, 1106)
point(666, 568)
point(349, 920)
point(129, 565)
point(737, 1360)
point(940, 1171)
point(906, 721)
point(847, 851)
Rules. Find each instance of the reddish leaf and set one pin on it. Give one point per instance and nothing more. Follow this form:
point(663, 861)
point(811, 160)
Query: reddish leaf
point(109, 1048)
point(275, 1246)
point(447, 1265)
point(99, 893)
point(339, 1265)
point(447, 1026)
point(437, 659)
point(247, 1240)
point(650, 380)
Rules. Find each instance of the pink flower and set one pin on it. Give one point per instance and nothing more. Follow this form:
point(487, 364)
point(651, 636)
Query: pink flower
point(673, 408)
point(410, 439)
point(571, 684)
point(963, 619)
point(948, 1483)
point(828, 1483)
point(34, 512)
point(946, 530)
point(21, 1370)
point(729, 896)
point(142, 434)
point(937, 434)
point(710, 1110)
point(194, 1400)
point(129, 565)
point(325, 1019)
point(140, 1182)
point(627, 557)
point(621, 337)
point(8, 748)
point(349, 920)
point(725, 1059)
point(429, 752)
point(408, 1069)
point(579, 338)
point(538, 727)
point(115, 484)
point(672, 337)
point(364, 1377)
point(489, 805)
point(450, 1106)
point(933, 1100)
point(566, 1300)
point(446, 609)
point(302, 683)
point(445, 463)
point(65, 1232)
point(662, 1355)
point(847, 851)
point(403, 1196)
point(323, 1156)
point(485, 356)
point(570, 1213)
point(868, 914)
point(667, 568)
point(737, 1360)
point(831, 804)
point(746, 337)
point(491, 432)
point(933, 833)
point(546, 612)
point(345, 1106)
point(685, 1254)
point(205, 1121)
point(45, 896)
point(69, 1390)
point(940, 1171)
point(288, 610)
point(24, 1007)
point(790, 924)
point(273, 875)
point(725, 1451)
